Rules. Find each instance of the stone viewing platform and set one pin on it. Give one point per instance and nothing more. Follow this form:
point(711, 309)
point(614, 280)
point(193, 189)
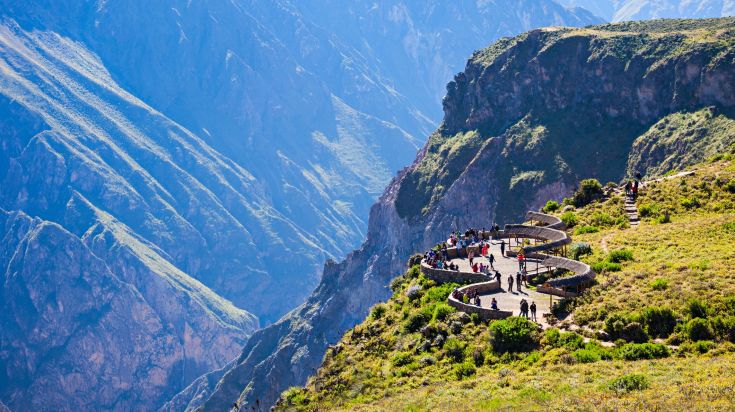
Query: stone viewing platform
point(543, 245)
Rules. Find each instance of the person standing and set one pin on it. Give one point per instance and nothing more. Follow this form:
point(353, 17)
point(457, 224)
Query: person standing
point(510, 283)
point(521, 258)
point(518, 281)
point(502, 248)
point(533, 311)
point(497, 277)
point(491, 259)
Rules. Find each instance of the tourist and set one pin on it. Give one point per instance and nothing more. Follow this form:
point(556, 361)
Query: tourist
point(510, 283)
point(494, 304)
point(474, 268)
point(485, 247)
point(471, 254)
point(524, 308)
point(524, 277)
point(638, 176)
point(521, 259)
point(477, 300)
point(502, 248)
point(497, 277)
point(635, 189)
point(533, 311)
point(628, 188)
point(518, 281)
point(491, 259)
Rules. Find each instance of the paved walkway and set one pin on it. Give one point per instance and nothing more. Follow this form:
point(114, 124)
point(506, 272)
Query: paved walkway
point(510, 301)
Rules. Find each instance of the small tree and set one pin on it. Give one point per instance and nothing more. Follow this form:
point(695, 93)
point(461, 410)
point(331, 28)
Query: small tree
point(589, 190)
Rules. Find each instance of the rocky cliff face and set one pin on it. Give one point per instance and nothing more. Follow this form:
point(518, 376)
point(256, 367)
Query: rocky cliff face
point(76, 335)
point(625, 10)
point(99, 310)
point(526, 119)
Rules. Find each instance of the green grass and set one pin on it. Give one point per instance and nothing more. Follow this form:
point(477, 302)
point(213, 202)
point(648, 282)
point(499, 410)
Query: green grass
point(418, 354)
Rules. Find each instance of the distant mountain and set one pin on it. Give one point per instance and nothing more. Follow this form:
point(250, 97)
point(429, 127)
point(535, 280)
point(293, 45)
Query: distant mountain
point(626, 10)
point(320, 101)
point(93, 314)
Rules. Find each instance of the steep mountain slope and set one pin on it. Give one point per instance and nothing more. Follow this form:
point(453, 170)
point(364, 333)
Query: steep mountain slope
point(503, 148)
point(98, 310)
point(319, 105)
point(77, 336)
point(667, 279)
point(625, 10)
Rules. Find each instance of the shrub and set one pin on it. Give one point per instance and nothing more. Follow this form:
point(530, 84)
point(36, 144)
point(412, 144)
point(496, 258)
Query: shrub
point(569, 219)
point(614, 325)
point(401, 359)
point(475, 318)
point(442, 310)
point(464, 370)
point(579, 249)
point(415, 322)
point(689, 203)
point(636, 351)
point(648, 210)
point(699, 329)
point(586, 355)
point(660, 284)
point(730, 186)
point(634, 332)
point(515, 334)
point(697, 308)
point(378, 311)
point(454, 349)
point(606, 266)
point(586, 229)
point(295, 396)
point(589, 190)
point(663, 219)
point(413, 292)
point(702, 346)
point(551, 206)
point(628, 383)
point(478, 357)
point(439, 293)
point(621, 255)
point(658, 322)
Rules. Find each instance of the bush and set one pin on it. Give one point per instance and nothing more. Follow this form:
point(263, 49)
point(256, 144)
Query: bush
point(660, 284)
point(580, 249)
point(699, 329)
point(569, 219)
point(454, 349)
point(464, 370)
point(621, 255)
point(658, 322)
point(648, 210)
point(586, 229)
point(663, 219)
point(689, 203)
point(730, 186)
point(634, 332)
point(415, 322)
point(378, 311)
point(442, 310)
point(697, 308)
point(586, 355)
point(636, 351)
point(439, 293)
point(413, 292)
point(628, 383)
point(589, 190)
point(478, 357)
point(606, 266)
point(515, 334)
point(614, 325)
point(551, 206)
point(557, 339)
point(401, 359)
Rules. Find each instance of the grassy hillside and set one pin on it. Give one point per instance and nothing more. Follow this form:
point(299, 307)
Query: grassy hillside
point(655, 332)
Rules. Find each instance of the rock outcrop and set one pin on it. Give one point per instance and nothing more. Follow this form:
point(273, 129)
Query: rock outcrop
point(504, 147)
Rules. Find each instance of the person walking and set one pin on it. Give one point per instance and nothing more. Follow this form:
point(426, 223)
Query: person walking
point(497, 277)
point(521, 258)
point(502, 248)
point(491, 259)
point(533, 311)
point(510, 283)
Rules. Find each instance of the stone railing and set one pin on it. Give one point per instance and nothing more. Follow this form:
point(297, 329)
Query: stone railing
point(446, 276)
point(549, 221)
point(552, 238)
point(483, 313)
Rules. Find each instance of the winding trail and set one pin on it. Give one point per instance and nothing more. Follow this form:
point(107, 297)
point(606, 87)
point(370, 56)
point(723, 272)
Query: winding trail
point(541, 244)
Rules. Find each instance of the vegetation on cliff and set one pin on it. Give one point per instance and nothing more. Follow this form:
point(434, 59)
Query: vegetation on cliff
point(655, 332)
